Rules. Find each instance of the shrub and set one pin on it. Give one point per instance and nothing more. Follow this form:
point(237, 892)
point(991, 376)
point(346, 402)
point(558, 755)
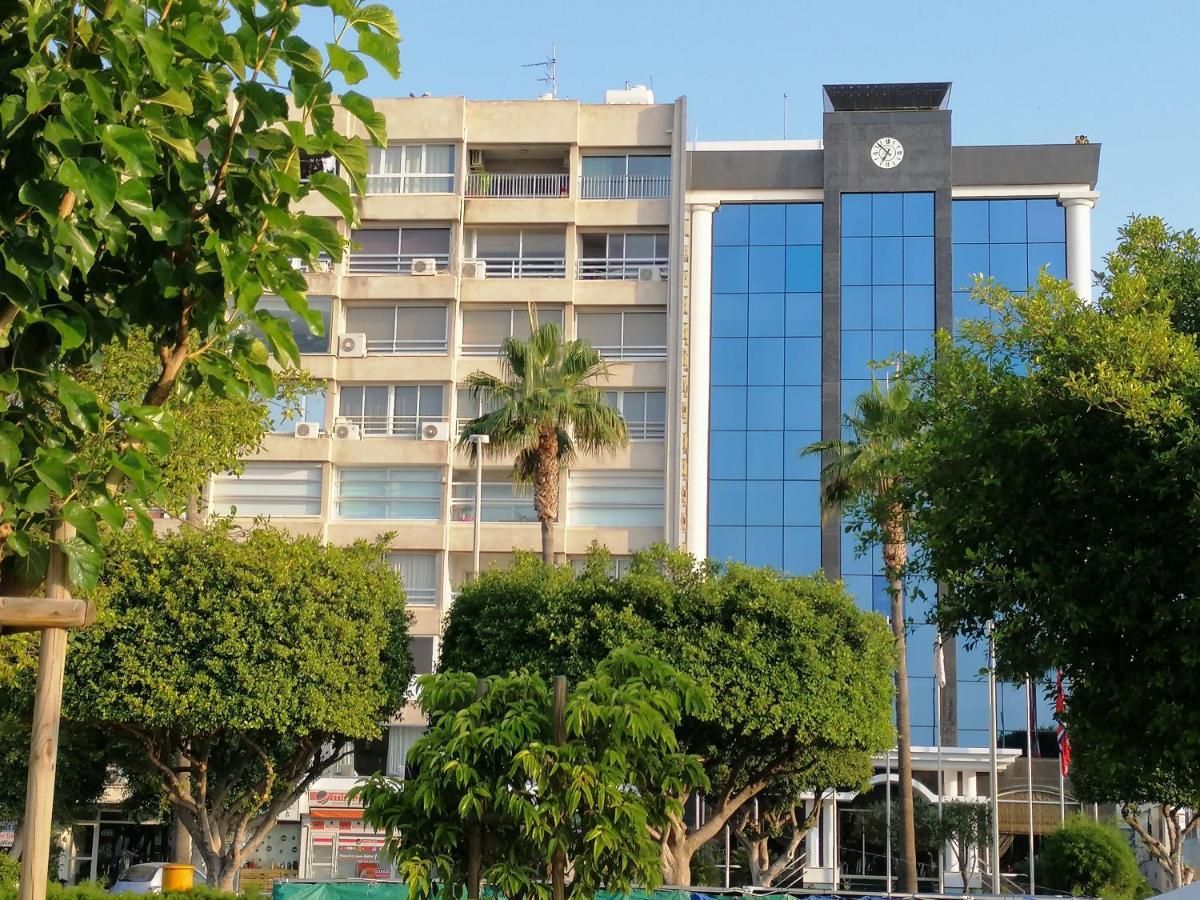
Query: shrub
point(93, 890)
point(1085, 857)
point(10, 869)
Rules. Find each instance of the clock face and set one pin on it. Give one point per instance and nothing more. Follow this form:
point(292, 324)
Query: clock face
point(887, 152)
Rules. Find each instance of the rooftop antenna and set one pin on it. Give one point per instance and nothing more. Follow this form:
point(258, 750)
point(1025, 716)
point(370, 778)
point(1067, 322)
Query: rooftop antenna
point(785, 112)
point(549, 68)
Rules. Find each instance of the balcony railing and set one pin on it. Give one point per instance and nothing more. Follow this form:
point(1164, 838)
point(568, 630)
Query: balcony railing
point(517, 184)
point(525, 267)
point(404, 346)
point(646, 431)
point(389, 426)
point(631, 351)
point(623, 269)
point(409, 183)
point(498, 503)
point(394, 263)
point(624, 187)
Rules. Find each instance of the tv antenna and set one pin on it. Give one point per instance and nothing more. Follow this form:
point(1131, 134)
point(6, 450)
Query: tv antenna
point(549, 67)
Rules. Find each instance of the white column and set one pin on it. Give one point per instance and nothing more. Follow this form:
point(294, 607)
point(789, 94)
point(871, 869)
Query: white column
point(1079, 240)
point(699, 333)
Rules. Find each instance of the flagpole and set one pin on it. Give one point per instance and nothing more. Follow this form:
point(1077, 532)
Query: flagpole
point(1029, 775)
point(888, 830)
point(939, 676)
point(994, 767)
point(1062, 795)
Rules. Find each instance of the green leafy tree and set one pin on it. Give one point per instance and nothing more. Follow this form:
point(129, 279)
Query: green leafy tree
point(545, 404)
point(255, 657)
point(490, 770)
point(962, 825)
point(1090, 859)
point(150, 164)
point(861, 477)
point(1169, 261)
point(801, 678)
point(1053, 484)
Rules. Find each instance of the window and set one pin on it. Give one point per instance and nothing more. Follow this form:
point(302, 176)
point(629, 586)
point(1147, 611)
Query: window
point(389, 492)
point(625, 177)
point(485, 329)
point(306, 341)
point(393, 250)
point(399, 329)
point(621, 498)
point(469, 408)
point(503, 501)
point(286, 413)
point(370, 756)
point(625, 334)
point(623, 256)
point(411, 169)
point(269, 489)
point(400, 741)
point(390, 410)
point(423, 650)
point(520, 254)
point(419, 572)
point(618, 566)
point(311, 163)
point(645, 412)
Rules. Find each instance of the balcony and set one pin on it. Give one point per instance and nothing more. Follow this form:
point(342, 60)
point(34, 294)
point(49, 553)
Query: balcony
point(500, 504)
point(408, 427)
point(518, 185)
point(395, 263)
point(624, 187)
point(524, 266)
point(644, 269)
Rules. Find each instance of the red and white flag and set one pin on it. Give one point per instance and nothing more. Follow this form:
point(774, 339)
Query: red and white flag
point(1064, 740)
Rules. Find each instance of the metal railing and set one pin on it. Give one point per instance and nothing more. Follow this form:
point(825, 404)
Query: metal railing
point(622, 269)
point(400, 347)
point(525, 266)
point(410, 183)
point(631, 351)
point(498, 505)
point(393, 263)
point(389, 426)
point(646, 431)
point(518, 184)
point(624, 187)
point(321, 265)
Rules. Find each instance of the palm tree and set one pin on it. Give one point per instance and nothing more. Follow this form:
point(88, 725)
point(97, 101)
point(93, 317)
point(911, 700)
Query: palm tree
point(544, 407)
point(864, 472)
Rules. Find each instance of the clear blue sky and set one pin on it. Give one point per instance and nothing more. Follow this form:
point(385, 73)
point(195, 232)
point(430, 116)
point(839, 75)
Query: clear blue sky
point(1024, 71)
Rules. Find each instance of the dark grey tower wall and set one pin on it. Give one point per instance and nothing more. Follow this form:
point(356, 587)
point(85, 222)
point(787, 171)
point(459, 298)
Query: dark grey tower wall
point(848, 136)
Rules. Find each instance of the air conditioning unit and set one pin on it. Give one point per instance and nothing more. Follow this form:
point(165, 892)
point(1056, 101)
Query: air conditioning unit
point(352, 345)
point(308, 429)
point(649, 273)
point(474, 268)
point(435, 431)
point(423, 265)
point(476, 159)
point(344, 431)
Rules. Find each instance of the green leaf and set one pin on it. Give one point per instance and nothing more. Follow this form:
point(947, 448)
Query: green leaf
point(134, 148)
point(152, 436)
point(110, 512)
point(100, 95)
point(134, 197)
point(38, 499)
point(159, 52)
point(52, 469)
point(183, 146)
point(345, 62)
point(175, 100)
point(80, 115)
point(79, 403)
point(10, 452)
point(42, 195)
point(323, 231)
point(83, 563)
point(381, 48)
point(31, 568)
point(83, 246)
point(336, 191)
point(72, 329)
point(18, 542)
point(377, 15)
point(83, 519)
point(90, 178)
point(364, 110)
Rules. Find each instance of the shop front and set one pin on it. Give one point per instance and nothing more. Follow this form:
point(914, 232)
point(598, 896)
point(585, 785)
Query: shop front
point(337, 843)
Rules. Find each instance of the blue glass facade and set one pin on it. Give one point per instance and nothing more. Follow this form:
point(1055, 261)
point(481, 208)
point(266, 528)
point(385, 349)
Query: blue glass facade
point(1009, 240)
point(765, 383)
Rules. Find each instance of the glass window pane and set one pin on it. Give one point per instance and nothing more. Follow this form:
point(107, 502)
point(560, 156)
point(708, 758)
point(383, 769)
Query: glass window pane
point(421, 649)
point(766, 268)
point(645, 329)
point(918, 215)
point(599, 329)
point(650, 165)
point(856, 215)
point(804, 223)
point(490, 244)
point(887, 217)
point(639, 246)
point(730, 270)
point(376, 240)
point(1047, 221)
point(634, 406)
point(729, 315)
point(594, 246)
point(804, 268)
point(548, 244)
point(603, 165)
point(887, 261)
point(656, 406)
point(350, 400)
point(439, 159)
point(918, 260)
point(422, 322)
point(376, 322)
point(430, 403)
point(731, 225)
point(766, 315)
point(405, 400)
point(970, 222)
point(425, 241)
point(485, 326)
point(1006, 221)
point(767, 223)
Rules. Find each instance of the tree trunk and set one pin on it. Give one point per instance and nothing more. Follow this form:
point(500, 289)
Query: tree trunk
point(18, 846)
point(545, 488)
point(895, 552)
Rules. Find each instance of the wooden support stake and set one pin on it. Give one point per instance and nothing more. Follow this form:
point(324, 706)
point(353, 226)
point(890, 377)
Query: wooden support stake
point(36, 613)
point(475, 830)
point(558, 869)
point(43, 750)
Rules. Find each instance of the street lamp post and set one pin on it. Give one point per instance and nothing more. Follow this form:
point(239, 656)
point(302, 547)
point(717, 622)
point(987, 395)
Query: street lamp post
point(479, 440)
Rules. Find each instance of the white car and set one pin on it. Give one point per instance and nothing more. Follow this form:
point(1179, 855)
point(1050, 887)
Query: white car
point(145, 878)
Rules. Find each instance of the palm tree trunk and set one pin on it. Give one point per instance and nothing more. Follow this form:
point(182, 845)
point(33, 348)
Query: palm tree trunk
point(545, 489)
point(895, 552)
